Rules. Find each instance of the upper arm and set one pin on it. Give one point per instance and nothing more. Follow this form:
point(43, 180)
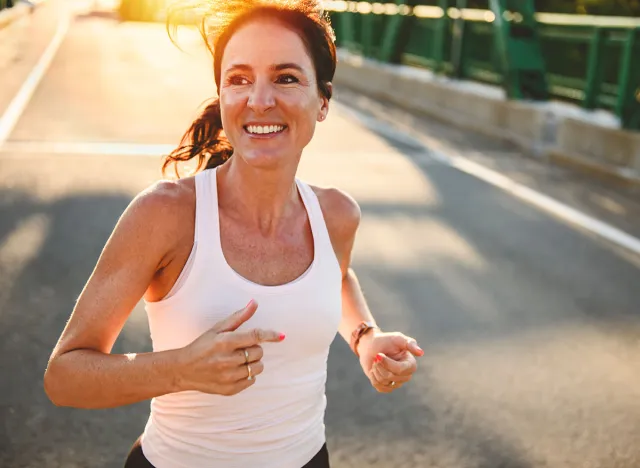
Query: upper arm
point(342, 217)
point(139, 245)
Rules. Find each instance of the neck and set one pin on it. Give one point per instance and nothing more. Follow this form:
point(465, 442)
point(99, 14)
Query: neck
point(261, 197)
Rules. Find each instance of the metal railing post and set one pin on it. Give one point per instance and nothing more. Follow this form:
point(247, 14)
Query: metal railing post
point(595, 69)
point(442, 30)
point(628, 104)
point(458, 42)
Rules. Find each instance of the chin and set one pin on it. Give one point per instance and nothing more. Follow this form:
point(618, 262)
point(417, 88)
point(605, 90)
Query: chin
point(265, 159)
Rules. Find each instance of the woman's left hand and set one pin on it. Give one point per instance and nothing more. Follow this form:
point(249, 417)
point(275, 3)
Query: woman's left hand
point(388, 359)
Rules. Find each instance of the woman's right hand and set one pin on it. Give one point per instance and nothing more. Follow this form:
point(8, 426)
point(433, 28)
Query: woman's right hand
point(216, 362)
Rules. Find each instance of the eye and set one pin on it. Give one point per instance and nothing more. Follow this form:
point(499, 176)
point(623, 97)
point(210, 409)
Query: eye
point(237, 80)
point(287, 79)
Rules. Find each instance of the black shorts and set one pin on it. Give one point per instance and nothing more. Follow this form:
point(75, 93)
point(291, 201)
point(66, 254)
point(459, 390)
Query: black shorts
point(136, 458)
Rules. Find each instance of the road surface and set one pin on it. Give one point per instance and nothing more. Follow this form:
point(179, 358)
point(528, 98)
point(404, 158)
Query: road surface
point(531, 325)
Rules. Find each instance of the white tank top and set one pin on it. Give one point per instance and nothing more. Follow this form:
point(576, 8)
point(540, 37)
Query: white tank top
point(279, 421)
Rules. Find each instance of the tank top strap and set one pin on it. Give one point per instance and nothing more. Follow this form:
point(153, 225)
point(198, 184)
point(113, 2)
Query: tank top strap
point(316, 219)
point(208, 223)
point(206, 206)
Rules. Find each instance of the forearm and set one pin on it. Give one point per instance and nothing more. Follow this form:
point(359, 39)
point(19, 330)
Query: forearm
point(354, 306)
point(93, 380)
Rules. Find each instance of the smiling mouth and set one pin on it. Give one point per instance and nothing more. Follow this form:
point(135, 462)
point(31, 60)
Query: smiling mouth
point(264, 130)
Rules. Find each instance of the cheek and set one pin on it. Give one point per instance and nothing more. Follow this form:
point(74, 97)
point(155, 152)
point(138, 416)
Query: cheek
point(230, 106)
point(303, 106)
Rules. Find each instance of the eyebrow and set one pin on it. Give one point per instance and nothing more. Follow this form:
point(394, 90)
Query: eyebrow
point(278, 67)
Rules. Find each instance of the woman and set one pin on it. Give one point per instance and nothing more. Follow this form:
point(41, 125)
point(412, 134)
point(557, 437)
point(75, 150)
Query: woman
point(244, 388)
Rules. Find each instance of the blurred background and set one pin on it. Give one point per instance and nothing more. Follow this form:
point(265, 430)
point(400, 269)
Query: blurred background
point(494, 147)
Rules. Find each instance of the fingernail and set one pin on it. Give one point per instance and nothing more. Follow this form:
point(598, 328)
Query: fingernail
point(378, 358)
point(249, 303)
point(282, 336)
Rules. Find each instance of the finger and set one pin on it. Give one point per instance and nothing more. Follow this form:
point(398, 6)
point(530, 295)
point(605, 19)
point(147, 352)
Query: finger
point(383, 388)
point(405, 366)
point(233, 321)
point(242, 372)
point(248, 338)
point(384, 377)
point(381, 375)
point(385, 385)
point(253, 353)
point(397, 385)
point(398, 379)
point(407, 343)
point(413, 348)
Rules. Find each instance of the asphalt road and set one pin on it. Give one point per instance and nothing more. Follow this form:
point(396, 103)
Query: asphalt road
point(531, 326)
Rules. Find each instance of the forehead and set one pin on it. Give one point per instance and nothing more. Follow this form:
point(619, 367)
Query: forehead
point(265, 42)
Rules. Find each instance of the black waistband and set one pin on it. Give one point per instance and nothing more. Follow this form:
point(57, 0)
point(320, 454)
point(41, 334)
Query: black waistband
point(136, 458)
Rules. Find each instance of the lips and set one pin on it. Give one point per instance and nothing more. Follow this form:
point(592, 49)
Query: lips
point(264, 130)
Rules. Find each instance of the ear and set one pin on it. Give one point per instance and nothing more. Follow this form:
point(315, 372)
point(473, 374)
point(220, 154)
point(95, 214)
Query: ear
point(324, 104)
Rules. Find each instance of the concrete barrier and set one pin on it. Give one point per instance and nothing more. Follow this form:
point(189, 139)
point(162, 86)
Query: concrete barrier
point(607, 152)
point(562, 133)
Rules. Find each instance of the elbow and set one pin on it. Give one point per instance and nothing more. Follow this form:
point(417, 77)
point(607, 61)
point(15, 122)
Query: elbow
point(54, 385)
point(51, 385)
point(62, 387)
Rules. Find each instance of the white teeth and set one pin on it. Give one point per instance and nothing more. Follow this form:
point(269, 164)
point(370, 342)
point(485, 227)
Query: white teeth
point(258, 129)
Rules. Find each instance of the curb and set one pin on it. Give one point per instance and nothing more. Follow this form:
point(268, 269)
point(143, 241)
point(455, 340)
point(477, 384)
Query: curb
point(618, 176)
point(541, 131)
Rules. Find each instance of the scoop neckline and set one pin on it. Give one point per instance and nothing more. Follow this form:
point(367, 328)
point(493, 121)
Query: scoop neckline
point(252, 285)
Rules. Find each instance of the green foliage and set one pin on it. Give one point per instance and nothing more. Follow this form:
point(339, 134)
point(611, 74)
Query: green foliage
point(6, 4)
point(584, 7)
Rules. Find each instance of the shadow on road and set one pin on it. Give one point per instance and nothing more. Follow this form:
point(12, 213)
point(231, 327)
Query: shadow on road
point(511, 305)
point(484, 284)
point(54, 249)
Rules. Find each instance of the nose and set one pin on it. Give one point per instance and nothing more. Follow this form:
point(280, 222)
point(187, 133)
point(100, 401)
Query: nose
point(261, 97)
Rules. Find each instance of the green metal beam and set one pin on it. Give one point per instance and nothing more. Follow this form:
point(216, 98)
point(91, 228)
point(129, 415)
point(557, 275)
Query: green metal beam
point(518, 46)
point(442, 31)
point(458, 48)
point(396, 34)
point(628, 105)
point(595, 67)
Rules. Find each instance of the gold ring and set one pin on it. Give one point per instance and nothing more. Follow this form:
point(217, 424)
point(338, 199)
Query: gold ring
point(250, 376)
point(246, 356)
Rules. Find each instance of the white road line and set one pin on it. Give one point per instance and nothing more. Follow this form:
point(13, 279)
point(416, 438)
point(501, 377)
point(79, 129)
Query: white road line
point(11, 116)
point(87, 148)
point(544, 202)
point(17, 149)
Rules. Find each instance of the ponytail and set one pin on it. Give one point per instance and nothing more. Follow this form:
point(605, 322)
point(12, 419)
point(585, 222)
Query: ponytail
point(204, 140)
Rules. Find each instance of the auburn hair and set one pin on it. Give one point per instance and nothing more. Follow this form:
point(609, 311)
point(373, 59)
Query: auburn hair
point(219, 20)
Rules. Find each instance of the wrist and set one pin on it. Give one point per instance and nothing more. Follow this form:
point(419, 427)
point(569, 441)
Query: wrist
point(365, 340)
point(361, 332)
point(178, 364)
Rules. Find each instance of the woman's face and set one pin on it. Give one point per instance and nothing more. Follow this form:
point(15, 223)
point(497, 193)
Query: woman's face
point(269, 97)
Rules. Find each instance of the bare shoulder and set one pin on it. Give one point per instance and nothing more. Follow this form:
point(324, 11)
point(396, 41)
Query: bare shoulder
point(142, 242)
point(341, 214)
point(165, 201)
point(162, 213)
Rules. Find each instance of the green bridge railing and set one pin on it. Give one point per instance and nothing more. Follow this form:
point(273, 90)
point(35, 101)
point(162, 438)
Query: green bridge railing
point(6, 4)
point(592, 61)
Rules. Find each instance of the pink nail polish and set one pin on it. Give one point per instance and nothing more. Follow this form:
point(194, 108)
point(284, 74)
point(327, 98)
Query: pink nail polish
point(282, 336)
point(378, 359)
